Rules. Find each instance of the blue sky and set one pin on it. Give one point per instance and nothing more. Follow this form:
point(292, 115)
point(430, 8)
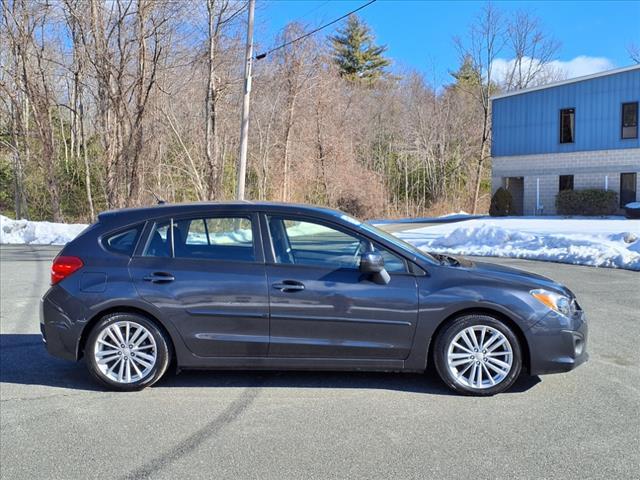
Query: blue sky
point(594, 35)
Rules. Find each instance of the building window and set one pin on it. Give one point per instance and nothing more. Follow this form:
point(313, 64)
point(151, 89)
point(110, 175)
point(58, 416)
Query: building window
point(630, 120)
point(567, 125)
point(627, 188)
point(566, 182)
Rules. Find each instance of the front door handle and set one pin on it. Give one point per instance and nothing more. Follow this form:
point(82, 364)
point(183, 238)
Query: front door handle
point(159, 277)
point(288, 286)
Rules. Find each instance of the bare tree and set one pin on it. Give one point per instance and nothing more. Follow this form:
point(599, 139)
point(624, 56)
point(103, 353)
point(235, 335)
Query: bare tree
point(294, 66)
point(103, 104)
point(73, 14)
point(219, 14)
point(532, 51)
point(634, 52)
point(25, 22)
point(14, 105)
point(484, 42)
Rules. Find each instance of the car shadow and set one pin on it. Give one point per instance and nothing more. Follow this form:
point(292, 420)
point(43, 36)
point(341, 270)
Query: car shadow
point(24, 360)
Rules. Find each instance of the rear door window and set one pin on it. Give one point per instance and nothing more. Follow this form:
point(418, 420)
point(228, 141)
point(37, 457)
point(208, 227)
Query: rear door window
point(212, 238)
point(159, 243)
point(123, 242)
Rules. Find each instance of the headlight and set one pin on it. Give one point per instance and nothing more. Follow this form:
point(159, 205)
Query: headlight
point(555, 301)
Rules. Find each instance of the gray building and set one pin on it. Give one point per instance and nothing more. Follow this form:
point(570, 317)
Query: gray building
point(574, 134)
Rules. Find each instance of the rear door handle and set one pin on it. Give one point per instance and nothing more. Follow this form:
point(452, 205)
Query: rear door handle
point(289, 286)
point(159, 277)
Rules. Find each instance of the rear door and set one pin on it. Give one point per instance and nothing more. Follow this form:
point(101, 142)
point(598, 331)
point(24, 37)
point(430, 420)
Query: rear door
point(206, 274)
point(322, 306)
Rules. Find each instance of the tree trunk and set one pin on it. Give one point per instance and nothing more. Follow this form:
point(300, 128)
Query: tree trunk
point(287, 147)
point(211, 136)
point(135, 141)
point(40, 106)
point(45, 130)
point(20, 201)
point(321, 153)
point(87, 169)
point(483, 153)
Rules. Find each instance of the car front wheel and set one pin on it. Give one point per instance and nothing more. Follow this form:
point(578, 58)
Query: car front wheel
point(127, 352)
point(478, 355)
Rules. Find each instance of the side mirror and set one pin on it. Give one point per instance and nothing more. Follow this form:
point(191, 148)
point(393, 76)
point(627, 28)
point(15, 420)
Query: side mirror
point(372, 263)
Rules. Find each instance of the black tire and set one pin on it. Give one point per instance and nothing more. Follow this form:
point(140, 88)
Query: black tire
point(162, 350)
point(447, 335)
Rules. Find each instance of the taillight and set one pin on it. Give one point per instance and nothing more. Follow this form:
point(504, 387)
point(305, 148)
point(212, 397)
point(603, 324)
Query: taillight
point(63, 266)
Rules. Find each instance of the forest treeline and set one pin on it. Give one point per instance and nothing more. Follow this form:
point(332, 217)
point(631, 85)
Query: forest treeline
point(112, 104)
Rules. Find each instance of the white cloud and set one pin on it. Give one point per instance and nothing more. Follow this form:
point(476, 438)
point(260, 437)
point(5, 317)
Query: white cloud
point(556, 69)
point(583, 65)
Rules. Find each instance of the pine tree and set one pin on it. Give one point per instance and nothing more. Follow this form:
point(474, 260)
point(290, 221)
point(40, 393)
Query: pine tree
point(355, 54)
point(467, 77)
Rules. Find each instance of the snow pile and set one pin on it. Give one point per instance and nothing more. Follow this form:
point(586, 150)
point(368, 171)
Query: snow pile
point(461, 213)
point(610, 242)
point(37, 233)
point(301, 229)
point(231, 237)
point(234, 237)
point(601, 242)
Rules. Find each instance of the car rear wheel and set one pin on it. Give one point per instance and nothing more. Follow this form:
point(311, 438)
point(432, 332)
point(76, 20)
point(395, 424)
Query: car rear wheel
point(478, 355)
point(127, 352)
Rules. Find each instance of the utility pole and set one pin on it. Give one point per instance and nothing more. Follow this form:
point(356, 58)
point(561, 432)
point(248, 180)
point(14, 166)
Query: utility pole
point(244, 125)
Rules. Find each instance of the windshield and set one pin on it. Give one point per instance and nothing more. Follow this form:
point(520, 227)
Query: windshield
point(407, 247)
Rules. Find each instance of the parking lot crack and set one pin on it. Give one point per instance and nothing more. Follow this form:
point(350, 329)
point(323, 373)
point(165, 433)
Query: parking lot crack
point(44, 397)
point(193, 441)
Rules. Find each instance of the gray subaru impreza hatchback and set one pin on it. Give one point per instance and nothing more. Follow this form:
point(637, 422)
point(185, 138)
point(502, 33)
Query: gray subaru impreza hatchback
point(256, 285)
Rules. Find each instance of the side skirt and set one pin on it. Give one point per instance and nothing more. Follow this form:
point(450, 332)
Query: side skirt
point(264, 363)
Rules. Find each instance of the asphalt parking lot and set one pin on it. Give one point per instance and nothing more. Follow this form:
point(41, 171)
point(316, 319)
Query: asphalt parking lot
point(56, 423)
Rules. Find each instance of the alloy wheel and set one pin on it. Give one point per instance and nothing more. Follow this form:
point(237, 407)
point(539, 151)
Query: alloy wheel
point(479, 357)
point(125, 352)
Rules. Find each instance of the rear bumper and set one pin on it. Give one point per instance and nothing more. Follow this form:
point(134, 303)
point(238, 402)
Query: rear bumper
point(558, 344)
point(59, 333)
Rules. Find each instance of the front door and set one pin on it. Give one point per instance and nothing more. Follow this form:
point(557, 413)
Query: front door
point(515, 186)
point(323, 307)
point(627, 188)
point(207, 277)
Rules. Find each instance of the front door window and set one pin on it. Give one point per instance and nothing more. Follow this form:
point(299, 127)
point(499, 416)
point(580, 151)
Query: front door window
point(301, 242)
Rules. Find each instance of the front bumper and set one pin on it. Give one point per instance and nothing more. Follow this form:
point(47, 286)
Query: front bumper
point(557, 343)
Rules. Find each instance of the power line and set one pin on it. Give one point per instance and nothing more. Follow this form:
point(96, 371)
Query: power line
point(235, 14)
point(314, 9)
point(286, 44)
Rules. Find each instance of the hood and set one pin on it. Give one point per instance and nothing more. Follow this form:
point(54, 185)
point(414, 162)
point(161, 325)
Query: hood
point(513, 275)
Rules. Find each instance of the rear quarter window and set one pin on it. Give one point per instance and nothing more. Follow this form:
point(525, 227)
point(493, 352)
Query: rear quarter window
point(122, 242)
